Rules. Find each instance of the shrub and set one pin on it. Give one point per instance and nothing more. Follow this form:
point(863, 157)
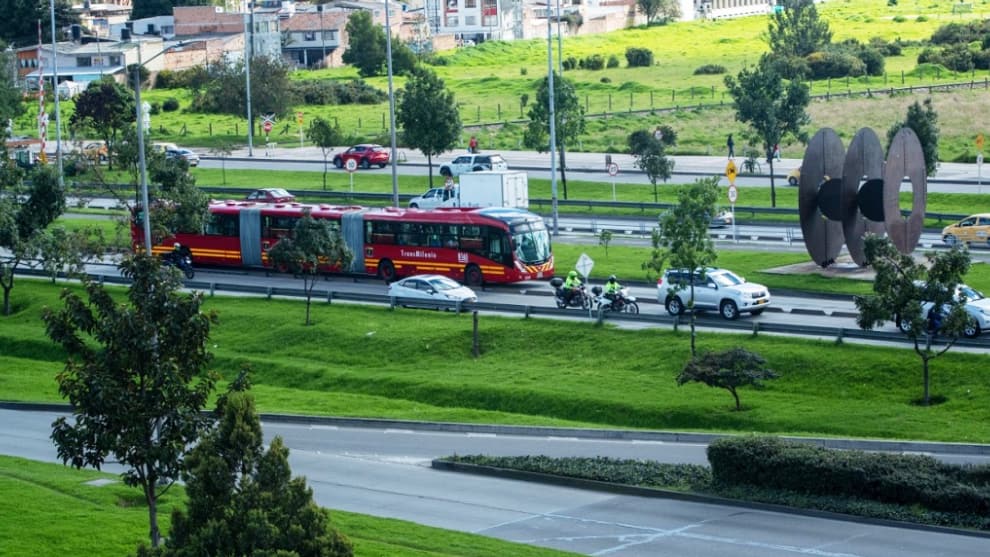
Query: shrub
point(921, 19)
point(156, 108)
point(594, 62)
point(899, 19)
point(835, 64)
point(613, 61)
point(639, 57)
point(523, 71)
point(886, 48)
point(336, 92)
point(710, 69)
point(170, 104)
point(957, 57)
point(605, 79)
point(981, 60)
point(790, 67)
point(569, 63)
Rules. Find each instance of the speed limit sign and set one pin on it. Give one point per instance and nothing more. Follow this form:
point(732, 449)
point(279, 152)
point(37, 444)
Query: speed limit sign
point(613, 169)
point(350, 165)
point(733, 194)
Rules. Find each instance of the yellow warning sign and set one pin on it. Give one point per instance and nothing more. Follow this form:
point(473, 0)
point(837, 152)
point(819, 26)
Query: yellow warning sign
point(730, 172)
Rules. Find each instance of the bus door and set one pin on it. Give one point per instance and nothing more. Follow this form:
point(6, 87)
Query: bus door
point(251, 236)
point(352, 232)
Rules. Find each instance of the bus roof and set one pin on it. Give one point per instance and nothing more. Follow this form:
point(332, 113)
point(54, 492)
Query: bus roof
point(508, 215)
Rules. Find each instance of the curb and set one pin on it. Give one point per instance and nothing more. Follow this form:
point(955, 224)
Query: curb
point(657, 493)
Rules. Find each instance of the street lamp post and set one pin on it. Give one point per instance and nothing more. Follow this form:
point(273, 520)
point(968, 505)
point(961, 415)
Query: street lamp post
point(247, 74)
point(58, 112)
point(142, 163)
point(391, 107)
point(323, 38)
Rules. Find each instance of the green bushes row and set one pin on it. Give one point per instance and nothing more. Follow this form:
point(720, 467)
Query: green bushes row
point(958, 57)
point(593, 62)
point(773, 463)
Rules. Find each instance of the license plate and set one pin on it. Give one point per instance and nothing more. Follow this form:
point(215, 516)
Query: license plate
point(760, 302)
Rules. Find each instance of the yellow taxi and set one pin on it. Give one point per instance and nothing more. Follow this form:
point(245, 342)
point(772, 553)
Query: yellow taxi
point(972, 229)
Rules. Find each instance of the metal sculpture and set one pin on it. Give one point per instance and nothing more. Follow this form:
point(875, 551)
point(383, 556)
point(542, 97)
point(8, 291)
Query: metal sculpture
point(844, 195)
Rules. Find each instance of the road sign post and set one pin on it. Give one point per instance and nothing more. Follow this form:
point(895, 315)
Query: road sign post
point(584, 265)
point(730, 171)
point(613, 171)
point(733, 196)
point(979, 172)
point(351, 166)
point(299, 120)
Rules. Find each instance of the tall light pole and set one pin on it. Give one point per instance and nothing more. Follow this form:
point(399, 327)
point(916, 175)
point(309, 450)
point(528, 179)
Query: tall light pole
point(391, 107)
point(142, 163)
point(553, 127)
point(58, 112)
point(323, 37)
point(247, 74)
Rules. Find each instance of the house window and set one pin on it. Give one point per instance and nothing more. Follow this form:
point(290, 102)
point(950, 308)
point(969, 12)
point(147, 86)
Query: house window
point(470, 3)
point(470, 20)
point(84, 61)
point(114, 59)
point(490, 21)
point(330, 35)
point(309, 36)
point(452, 21)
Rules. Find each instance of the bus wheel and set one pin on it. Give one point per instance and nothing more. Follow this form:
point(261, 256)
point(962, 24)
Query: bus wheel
point(386, 270)
point(473, 276)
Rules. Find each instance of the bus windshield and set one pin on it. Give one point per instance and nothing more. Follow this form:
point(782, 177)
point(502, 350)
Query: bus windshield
point(531, 241)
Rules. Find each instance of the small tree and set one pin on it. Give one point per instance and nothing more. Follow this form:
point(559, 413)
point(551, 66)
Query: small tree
point(771, 109)
point(924, 122)
point(650, 157)
point(902, 287)
point(107, 108)
point(427, 114)
point(25, 212)
point(729, 370)
point(135, 378)
point(224, 150)
point(682, 238)
point(797, 30)
point(604, 239)
point(243, 496)
point(569, 121)
point(324, 135)
point(68, 251)
point(314, 243)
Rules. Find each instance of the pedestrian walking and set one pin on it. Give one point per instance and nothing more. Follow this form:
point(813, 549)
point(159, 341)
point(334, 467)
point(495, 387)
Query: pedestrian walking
point(776, 151)
point(473, 145)
point(732, 147)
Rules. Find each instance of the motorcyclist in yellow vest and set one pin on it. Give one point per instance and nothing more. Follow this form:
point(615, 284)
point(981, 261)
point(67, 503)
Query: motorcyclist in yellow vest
point(571, 286)
point(612, 288)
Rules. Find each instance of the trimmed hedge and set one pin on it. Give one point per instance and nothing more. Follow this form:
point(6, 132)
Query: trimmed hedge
point(773, 463)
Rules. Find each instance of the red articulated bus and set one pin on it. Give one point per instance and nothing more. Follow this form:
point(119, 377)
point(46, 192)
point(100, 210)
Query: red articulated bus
point(473, 245)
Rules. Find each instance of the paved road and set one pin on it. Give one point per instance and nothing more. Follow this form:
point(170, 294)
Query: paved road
point(950, 178)
point(384, 471)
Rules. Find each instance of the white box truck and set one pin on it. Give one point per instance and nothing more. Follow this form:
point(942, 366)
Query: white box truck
point(494, 188)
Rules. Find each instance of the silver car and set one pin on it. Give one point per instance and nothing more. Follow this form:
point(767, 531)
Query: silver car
point(716, 289)
point(431, 288)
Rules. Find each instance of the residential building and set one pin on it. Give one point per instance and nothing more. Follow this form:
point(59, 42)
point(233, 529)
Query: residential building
point(315, 39)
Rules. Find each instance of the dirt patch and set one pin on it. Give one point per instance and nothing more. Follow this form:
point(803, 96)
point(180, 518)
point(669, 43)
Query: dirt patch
point(844, 267)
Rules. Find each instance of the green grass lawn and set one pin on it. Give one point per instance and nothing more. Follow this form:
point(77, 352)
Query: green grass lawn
point(57, 513)
point(489, 80)
point(413, 364)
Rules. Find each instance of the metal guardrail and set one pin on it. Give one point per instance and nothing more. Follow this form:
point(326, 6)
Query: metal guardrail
point(753, 327)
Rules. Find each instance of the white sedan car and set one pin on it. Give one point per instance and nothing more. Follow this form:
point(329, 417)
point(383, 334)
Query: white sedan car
point(435, 288)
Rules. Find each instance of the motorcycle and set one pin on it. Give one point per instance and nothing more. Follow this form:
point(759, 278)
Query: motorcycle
point(182, 261)
point(622, 301)
point(579, 299)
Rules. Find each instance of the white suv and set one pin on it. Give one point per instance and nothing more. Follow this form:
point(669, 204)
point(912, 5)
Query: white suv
point(473, 163)
point(714, 289)
point(977, 306)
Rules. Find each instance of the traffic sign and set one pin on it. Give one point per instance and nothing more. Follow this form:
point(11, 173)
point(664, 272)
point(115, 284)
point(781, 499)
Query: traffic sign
point(299, 118)
point(979, 142)
point(613, 169)
point(730, 172)
point(733, 193)
point(584, 265)
point(267, 126)
point(350, 165)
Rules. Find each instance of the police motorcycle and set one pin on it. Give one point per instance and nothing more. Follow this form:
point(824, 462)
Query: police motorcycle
point(181, 259)
point(579, 299)
point(622, 301)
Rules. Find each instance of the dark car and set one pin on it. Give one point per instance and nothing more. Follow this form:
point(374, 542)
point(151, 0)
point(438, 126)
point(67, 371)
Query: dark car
point(270, 195)
point(365, 155)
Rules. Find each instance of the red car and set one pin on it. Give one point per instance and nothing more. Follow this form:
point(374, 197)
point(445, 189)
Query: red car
point(365, 154)
point(271, 195)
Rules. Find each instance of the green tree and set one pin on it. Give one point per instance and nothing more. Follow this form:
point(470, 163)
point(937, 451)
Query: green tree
point(651, 158)
point(682, 239)
point(772, 108)
point(11, 105)
point(19, 26)
point(901, 288)
point(924, 122)
point(654, 9)
point(25, 212)
point(179, 205)
point(226, 92)
point(366, 48)
point(242, 496)
point(134, 376)
point(314, 244)
point(325, 135)
point(729, 370)
point(68, 251)
point(224, 150)
point(568, 120)
point(797, 30)
point(427, 114)
point(106, 108)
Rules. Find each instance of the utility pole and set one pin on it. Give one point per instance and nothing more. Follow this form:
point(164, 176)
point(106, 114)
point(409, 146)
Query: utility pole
point(247, 74)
